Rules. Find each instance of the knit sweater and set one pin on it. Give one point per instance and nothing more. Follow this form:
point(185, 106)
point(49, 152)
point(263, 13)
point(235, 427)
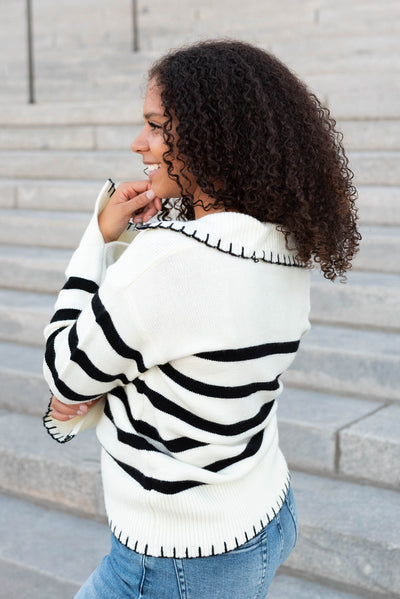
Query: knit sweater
point(185, 329)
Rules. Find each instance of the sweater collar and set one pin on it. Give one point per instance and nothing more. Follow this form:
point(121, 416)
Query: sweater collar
point(237, 234)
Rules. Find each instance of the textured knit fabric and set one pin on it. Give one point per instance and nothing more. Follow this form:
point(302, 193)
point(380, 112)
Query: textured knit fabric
point(186, 329)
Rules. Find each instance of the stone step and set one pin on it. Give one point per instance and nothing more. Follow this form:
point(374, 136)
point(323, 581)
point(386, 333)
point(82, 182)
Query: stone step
point(379, 250)
point(370, 449)
point(22, 386)
point(359, 363)
point(340, 436)
point(343, 537)
point(341, 53)
point(72, 113)
point(311, 425)
point(370, 168)
point(33, 269)
point(46, 553)
point(332, 513)
point(42, 229)
point(377, 205)
point(358, 97)
point(116, 164)
point(319, 432)
point(23, 316)
point(38, 565)
point(371, 135)
point(33, 465)
point(366, 299)
point(30, 278)
point(69, 137)
point(375, 168)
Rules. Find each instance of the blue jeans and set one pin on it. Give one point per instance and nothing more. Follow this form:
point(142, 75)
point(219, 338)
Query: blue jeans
point(245, 572)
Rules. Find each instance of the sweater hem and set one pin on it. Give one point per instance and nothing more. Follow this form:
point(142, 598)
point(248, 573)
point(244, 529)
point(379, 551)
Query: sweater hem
point(229, 545)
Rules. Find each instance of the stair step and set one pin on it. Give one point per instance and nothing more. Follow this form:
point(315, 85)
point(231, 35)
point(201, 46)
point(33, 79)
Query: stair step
point(343, 536)
point(33, 268)
point(370, 448)
point(72, 113)
point(22, 386)
point(379, 205)
point(28, 303)
point(34, 565)
point(42, 164)
point(47, 547)
point(370, 168)
point(310, 424)
point(364, 364)
point(366, 299)
point(35, 466)
point(61, 195)
point(375, 168)
point(323, 54)
point(295, 588)
point(362, 135)
point(70, 137)
point(357, 97)
point(379, 250)
point(43, 229)
point(383, 135)
point(23, 315)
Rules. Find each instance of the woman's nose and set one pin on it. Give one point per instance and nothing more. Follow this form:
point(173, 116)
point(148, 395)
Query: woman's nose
point(139, 144)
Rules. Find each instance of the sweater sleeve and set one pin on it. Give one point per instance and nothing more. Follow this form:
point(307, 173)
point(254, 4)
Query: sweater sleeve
point(84, 275)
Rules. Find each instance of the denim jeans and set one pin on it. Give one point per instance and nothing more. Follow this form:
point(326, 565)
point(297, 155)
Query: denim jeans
point(244, 573)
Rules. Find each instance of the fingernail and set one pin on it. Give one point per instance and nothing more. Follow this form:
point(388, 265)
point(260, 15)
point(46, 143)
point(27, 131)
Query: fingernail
point(150, 195)
point(71, 416)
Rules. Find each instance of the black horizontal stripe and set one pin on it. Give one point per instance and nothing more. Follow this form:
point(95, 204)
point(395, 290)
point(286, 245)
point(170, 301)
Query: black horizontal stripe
point(80, 357)
point(155, 484)
point(217, 390)
point(173, 487)
point(50, 356)
point(144, 428)
point(65, 314)
point(82, 284)
point(127, 438)
point(166, 405)
point(103, 319)
point(251, 449)
point(250, 353)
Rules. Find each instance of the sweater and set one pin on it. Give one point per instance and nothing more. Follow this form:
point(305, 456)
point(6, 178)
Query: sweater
point(183, 329)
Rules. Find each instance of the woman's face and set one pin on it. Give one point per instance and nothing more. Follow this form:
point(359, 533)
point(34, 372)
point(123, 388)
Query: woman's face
point(151, 145)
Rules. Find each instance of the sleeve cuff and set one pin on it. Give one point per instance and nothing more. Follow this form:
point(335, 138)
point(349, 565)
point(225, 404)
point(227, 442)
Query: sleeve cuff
point(65, 431)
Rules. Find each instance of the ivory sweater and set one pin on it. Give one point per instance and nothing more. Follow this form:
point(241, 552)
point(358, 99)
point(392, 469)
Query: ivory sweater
point(185, 327)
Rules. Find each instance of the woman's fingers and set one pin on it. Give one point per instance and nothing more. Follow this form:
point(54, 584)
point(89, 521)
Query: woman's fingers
point(147, 212)
point(127, 202)
point(64, 412)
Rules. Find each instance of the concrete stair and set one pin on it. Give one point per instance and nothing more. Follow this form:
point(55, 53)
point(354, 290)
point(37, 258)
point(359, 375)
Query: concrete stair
point(339, 413)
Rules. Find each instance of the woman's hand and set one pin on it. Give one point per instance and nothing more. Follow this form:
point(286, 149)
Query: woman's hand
point(63, 412)
point(134, 200)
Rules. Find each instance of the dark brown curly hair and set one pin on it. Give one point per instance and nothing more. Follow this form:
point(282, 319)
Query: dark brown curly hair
point(257, 141)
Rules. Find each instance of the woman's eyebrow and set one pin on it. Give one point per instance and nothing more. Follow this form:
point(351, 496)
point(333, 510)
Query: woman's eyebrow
point(149, 115)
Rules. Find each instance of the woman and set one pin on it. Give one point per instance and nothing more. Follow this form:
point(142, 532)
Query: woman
point(171, 335)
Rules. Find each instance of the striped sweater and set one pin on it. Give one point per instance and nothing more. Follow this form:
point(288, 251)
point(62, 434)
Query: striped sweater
point(185, 329)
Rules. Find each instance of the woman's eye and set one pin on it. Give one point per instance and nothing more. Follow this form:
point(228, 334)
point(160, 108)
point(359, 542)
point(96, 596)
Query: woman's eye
point(154, 125)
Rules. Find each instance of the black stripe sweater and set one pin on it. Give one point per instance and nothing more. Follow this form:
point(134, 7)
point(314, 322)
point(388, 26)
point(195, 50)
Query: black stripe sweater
point(185, 331)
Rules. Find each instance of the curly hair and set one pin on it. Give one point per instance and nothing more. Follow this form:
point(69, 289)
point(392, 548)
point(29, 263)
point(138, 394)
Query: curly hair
point(257, 141)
